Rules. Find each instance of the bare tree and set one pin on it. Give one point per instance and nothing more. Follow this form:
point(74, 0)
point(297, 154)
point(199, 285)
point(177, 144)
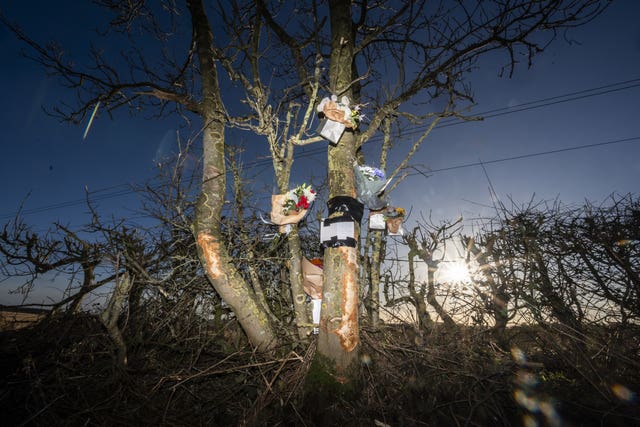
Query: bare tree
point(572, 265)
point(380, 55)
point(88, 266)
point(60, 251)
point(429, 244)
point(607, 242)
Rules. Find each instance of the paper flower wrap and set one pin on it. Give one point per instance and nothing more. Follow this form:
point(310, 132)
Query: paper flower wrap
point(330, 130)
point(370, 182)
point(377, 220)
point(394, 217)
point(340, 112)
point(338, 116)
point(312, 277)
point(291, 207)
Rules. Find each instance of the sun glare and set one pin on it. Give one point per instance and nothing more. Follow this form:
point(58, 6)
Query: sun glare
point(453, 272)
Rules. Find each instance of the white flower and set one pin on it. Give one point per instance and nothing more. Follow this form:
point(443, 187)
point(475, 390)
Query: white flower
point(309, 194)
point(293, 196)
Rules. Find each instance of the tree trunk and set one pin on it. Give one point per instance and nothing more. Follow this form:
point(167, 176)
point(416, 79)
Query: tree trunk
point(298, 294)
point(559, 308)
point(418, 296)
point(110, 315)
point(282, 161)
point(88, 270)
point(377, 248)
point(433, 302)
point(339, 335)
point(252, 316)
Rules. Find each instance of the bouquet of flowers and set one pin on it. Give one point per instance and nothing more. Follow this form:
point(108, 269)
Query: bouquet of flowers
point(291, 207)
point(371, 173)
point(336, 116)
point(394, 213)
point(355, 115)
point(299, 198)
point(393, 217)
point(370, 182)
point(340, 111)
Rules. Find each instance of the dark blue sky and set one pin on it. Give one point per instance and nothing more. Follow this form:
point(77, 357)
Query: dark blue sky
point(50, 161)
point(601, 55)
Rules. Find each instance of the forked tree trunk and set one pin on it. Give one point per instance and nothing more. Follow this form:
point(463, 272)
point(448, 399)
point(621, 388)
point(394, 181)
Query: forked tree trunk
point(232, 288)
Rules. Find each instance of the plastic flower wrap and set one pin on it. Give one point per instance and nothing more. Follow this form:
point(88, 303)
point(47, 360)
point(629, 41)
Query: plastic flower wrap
point(370, 182)
point(371, 173)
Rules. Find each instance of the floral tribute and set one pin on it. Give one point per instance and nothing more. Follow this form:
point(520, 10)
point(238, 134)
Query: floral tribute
point(300, 198)
point(391, 212)
point(356, 118)
point(340, 111)
point(371, 173)
point(336, 116)
point(291, 207)
point(394, 217)
point(370, 183)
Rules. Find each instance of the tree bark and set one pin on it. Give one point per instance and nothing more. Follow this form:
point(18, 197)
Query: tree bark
point(110, 315)
point(418, 296)
point(377, 252)
point(339, 331)
point(298, 294)
point(252, 315)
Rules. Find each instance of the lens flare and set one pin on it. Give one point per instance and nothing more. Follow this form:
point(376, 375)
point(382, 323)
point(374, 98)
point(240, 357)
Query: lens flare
point(454, 272)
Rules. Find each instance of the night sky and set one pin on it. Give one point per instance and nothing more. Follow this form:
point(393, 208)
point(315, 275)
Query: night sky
point(568, 128)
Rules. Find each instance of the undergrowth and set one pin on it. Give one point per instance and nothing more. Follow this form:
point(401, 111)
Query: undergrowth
point(63, 371)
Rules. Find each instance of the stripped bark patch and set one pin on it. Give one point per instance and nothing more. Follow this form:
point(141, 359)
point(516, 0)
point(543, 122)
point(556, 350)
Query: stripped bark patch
point(211, 253)
point(348, 328)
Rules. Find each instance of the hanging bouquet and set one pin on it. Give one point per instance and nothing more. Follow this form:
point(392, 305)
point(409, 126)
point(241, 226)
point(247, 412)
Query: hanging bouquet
point(337, 115)
point(391, 212)
point(394, 217)
point(356, 117)
point(351, 113)
point(291, 207)
point(340, 111)
point(300, 198)
point(370, 182)
point(371, 173)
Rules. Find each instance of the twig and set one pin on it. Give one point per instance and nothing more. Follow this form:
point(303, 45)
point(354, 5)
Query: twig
point(233, 369)
point(34, 416)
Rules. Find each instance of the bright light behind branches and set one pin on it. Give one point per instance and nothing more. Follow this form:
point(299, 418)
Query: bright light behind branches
point(453, 272)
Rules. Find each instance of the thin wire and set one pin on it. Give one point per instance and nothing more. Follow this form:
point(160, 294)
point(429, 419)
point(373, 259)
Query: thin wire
point(526, 156)
point(526, 106)
point(430, 171)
